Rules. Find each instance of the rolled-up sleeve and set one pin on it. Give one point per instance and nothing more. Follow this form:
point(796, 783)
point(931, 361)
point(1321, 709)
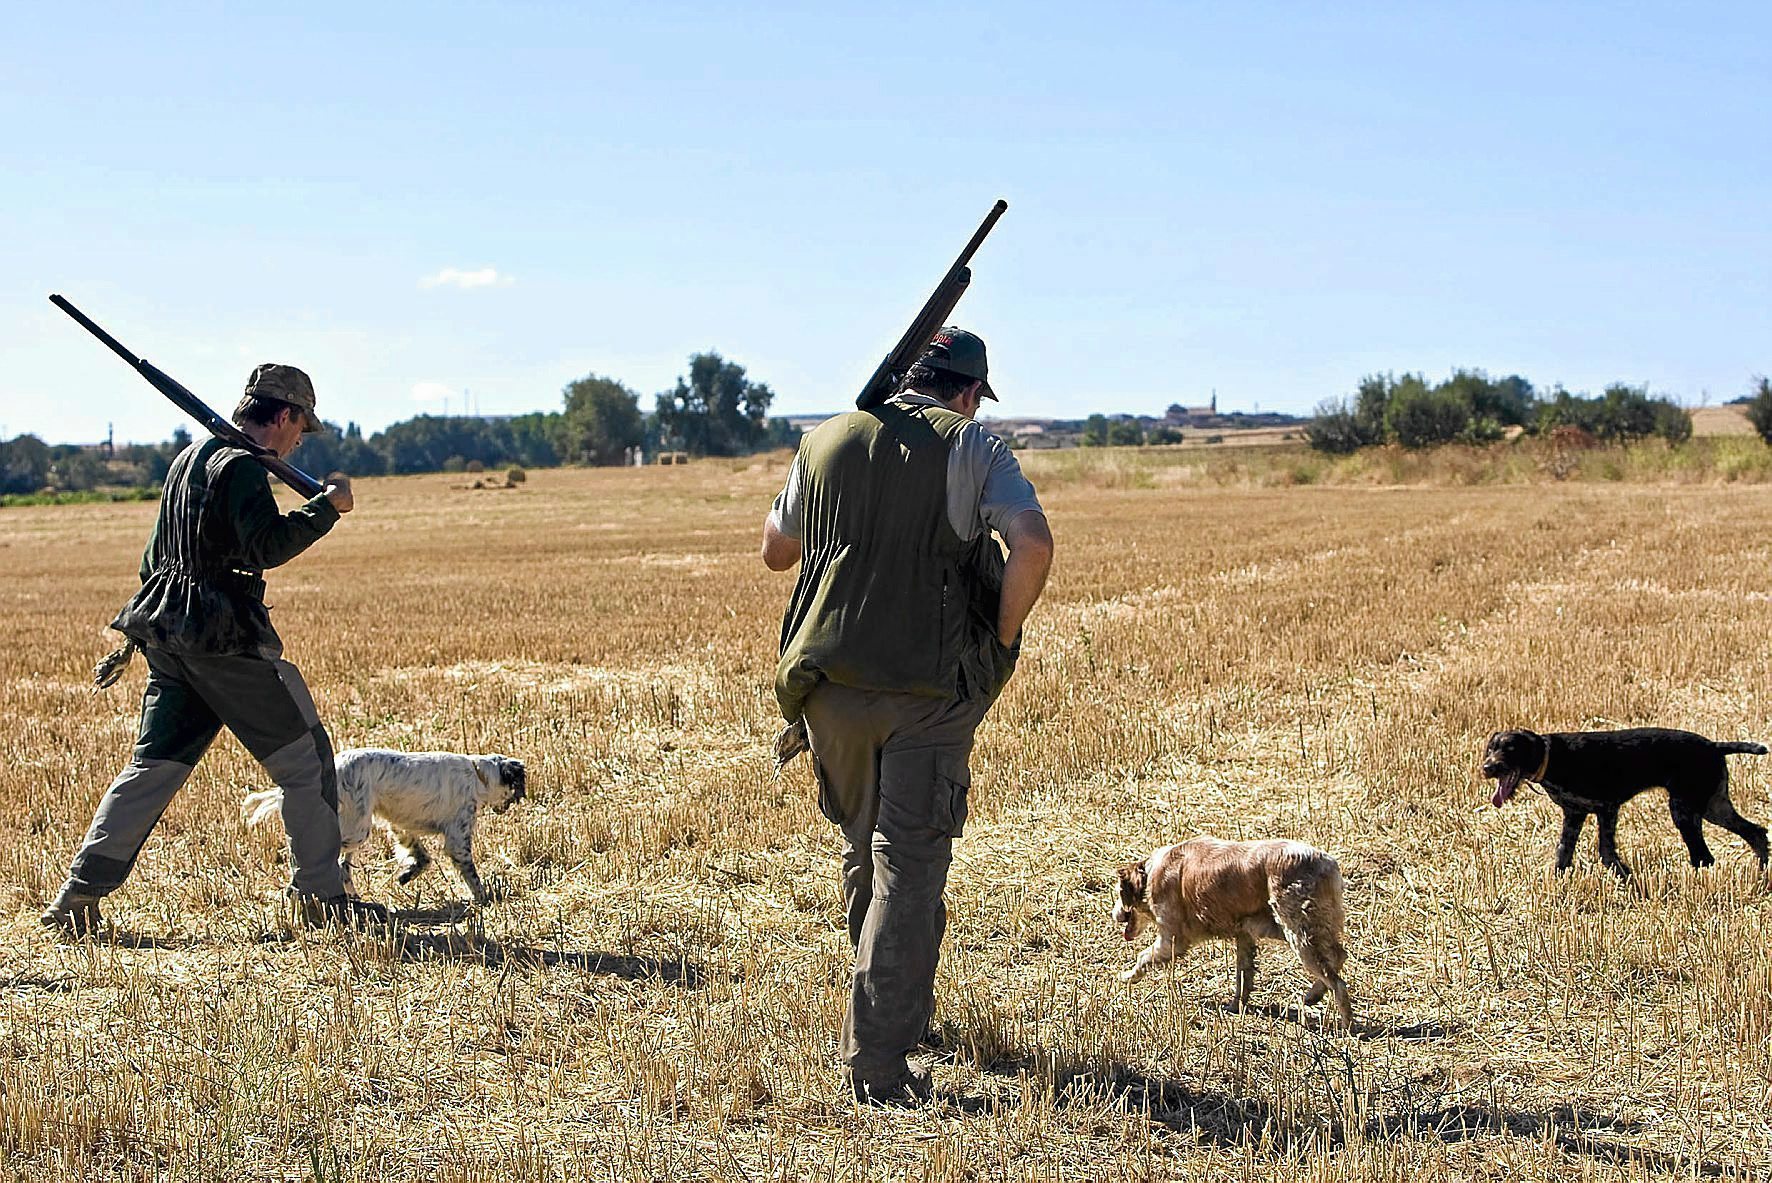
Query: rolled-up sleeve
point(790, 504)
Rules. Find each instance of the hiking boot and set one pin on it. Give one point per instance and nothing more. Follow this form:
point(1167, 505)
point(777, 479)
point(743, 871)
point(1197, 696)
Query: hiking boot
point(73, 913)
point(338, 911)
point(907, 1090)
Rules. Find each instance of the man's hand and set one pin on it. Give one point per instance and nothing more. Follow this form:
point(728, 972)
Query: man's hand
point(1024, 575)
point(338, 491)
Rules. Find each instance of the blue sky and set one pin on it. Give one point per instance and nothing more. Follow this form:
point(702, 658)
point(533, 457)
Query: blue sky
point(413, 202)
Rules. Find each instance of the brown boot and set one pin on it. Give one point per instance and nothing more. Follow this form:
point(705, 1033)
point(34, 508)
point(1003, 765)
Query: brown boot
point(74, 911)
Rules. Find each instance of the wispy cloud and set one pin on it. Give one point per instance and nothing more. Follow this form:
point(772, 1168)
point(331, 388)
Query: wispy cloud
point(459, 277)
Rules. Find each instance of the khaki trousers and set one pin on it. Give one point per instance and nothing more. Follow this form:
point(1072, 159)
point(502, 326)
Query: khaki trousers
point(188, 700)
point(892, 772)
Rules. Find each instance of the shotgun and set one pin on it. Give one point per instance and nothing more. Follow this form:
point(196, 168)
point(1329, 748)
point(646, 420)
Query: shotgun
point(197, 409)
point(936, 309)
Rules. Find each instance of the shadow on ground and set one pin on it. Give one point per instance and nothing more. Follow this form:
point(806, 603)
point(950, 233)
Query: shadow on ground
point(1227, 1121)
point(458, 946)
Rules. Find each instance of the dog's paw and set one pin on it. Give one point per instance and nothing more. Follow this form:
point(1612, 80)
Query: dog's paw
point(1132, 975)
point(411, 871)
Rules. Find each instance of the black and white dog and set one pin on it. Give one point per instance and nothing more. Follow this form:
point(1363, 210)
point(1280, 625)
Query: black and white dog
point(413, 793)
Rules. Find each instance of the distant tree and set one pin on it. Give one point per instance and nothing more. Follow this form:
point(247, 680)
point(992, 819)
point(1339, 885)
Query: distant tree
point(1335, 428)
point(715, 410)
point(1507, 401)
point(1372, 398)
point(1673, 422)
point(1627, 412)
point(1164, 435)
point(1623, 413)
point(1095, 431)
point(781, 434)
point(1419, 416)
point(339, 449)
point(533, 439)
point(1759, 408)
point(24, 465)
point(601, 421)
point(1125, 433)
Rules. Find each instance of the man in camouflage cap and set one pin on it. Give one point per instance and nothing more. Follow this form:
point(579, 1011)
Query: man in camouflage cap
point(902, 630)
point(214, 660)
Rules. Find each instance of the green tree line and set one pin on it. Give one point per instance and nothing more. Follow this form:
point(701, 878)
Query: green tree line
point(714, 410)
point(1471, 407)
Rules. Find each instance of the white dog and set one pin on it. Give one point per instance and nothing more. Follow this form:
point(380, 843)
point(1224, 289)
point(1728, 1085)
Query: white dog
point(412, 793)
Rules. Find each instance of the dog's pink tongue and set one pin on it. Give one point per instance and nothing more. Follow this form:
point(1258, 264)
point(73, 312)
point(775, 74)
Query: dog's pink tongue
point(1130, 929)
point(1504, 788)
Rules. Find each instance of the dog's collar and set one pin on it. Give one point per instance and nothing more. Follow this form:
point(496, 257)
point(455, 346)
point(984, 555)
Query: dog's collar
point(1543, 766)
point(475, 765)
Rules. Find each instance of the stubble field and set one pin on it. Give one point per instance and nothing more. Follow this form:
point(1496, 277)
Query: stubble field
point(657, 994)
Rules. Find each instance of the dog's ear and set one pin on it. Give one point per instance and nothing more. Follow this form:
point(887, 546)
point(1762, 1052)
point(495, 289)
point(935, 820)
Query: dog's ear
point(1134, 881)
point(511, 772)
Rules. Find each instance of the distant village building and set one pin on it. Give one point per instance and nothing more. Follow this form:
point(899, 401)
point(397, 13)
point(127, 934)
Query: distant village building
point(1182, 415)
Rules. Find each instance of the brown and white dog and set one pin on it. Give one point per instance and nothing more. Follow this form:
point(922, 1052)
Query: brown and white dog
point(1273, 890)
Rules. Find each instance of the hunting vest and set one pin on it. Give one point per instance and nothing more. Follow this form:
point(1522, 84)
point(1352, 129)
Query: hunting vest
point(888, 597)
point(195, 600)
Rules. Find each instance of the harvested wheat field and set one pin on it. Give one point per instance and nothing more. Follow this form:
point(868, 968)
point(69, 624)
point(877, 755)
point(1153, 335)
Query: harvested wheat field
point(657, 995)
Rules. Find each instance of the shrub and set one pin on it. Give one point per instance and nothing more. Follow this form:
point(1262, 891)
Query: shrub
point(1420, 418)
point(1125, 433)
point(1672, 423)
point(515, 476)
point(1483, 429)
point(1335, 429)
point(1759, 408)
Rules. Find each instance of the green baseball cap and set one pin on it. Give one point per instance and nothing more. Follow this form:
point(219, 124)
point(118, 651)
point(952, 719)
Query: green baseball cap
point(286, 384)
point(959, 352)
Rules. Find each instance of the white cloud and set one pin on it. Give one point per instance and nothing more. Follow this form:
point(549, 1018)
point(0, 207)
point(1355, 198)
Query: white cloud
point(458, 277)
point(431, 392)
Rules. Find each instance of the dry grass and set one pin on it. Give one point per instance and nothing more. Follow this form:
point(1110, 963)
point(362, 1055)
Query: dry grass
point(658, 995)
point(1707, 460)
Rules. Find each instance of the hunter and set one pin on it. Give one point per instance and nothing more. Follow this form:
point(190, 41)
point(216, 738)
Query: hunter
point(214, 660)
point(903, 627)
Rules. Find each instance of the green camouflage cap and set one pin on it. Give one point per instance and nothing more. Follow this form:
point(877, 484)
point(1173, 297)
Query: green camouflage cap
point(959, 352)
point(285, 384)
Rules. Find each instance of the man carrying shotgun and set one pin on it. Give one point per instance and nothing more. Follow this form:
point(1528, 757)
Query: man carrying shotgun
point(901, 632)
point(214, 660)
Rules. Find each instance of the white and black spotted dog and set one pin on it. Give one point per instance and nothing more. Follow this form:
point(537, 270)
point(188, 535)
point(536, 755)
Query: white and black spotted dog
point(413, 793)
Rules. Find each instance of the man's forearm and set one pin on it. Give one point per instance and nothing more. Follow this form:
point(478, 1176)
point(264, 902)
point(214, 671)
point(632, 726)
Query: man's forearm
point(1024, 573)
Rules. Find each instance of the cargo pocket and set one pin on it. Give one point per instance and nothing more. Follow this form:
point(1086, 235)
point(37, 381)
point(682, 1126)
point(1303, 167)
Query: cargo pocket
point(827, 800)
point(949, 799)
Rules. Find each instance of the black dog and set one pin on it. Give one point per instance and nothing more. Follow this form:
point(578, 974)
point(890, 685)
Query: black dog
point(1597, 771)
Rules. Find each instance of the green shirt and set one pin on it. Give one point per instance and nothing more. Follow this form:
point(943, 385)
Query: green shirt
point(217, 531)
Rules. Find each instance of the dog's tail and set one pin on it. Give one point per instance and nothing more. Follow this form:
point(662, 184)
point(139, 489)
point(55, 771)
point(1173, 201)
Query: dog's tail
point(1743, 749)
point(258, 807)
